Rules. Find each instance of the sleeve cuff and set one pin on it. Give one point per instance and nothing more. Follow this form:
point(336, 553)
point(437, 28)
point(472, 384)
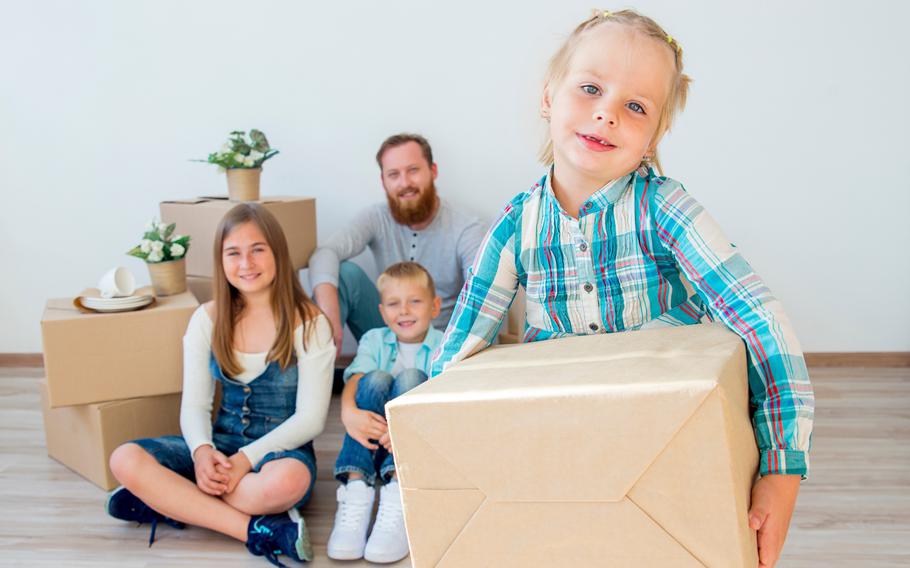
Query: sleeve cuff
point(784, 462)
point(253, 453)
point(324, 278)
point(196, 445)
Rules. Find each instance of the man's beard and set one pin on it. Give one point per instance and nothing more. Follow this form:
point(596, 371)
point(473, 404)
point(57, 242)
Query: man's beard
point(414, 212)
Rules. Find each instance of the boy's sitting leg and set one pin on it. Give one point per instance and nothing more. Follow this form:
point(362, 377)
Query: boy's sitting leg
point(356, 470)
point(405, 381)
point(389, 541)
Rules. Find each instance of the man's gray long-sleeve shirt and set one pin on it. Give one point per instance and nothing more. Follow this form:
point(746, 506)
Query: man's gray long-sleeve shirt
point(446, 248)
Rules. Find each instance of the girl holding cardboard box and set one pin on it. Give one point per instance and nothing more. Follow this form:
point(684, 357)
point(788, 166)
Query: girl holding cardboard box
point(273, 353)
point(604, 244)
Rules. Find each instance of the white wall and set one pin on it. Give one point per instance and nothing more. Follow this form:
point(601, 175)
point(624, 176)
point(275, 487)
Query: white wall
point(794, 136)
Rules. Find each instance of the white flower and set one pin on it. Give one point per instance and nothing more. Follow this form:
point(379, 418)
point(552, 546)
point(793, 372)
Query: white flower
point(162, 228)
point(177, 250)
point(239, 157)
point(226, 149)
point(176, 237)
point(145, 246)
point(249, 162)
point(254, 155)
point(150, 226)
point(155, 256)
point(157, 246)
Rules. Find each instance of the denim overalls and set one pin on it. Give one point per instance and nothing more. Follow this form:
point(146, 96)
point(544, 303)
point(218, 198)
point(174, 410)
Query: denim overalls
point(247, 413)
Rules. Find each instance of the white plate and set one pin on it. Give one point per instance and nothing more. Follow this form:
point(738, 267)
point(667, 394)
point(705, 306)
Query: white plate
point(115, 302)
point(107, 308)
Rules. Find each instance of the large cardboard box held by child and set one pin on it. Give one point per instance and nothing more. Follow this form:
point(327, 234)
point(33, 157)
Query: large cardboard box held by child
point(199, 218)
point(632, 449)
point(90, 357)
point(83, 437)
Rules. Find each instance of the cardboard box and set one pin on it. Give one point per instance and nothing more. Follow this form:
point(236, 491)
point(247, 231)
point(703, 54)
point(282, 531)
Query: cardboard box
point(199, 218)
point(633, 449)
point(95, 357)
point(201, 287)
point(83, 437)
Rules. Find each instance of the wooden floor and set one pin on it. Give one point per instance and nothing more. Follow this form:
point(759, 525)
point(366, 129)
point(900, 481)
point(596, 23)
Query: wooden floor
point(853, 511)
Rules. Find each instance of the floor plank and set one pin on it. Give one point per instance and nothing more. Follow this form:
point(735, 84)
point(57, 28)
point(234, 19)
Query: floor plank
point(853, 511)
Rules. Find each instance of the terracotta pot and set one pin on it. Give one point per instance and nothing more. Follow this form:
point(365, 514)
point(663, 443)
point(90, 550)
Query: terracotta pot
point(168, 278)
point(243, 184)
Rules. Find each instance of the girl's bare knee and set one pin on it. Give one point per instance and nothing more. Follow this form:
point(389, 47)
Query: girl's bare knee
point(125, 461)
point(287, 486)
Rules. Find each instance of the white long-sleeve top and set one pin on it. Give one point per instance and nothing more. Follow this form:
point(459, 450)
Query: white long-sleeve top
point(315, 366)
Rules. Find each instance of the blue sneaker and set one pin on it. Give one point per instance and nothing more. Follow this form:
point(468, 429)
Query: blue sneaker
point(123, 505)
point(274, 535)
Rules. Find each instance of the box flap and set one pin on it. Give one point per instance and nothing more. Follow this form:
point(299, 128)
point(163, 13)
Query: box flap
point(429, 541)
point(528, 534)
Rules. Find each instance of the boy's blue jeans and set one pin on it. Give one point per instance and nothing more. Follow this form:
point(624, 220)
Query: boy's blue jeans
point(374, 390)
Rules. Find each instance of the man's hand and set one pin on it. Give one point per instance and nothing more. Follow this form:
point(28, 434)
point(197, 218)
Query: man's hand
point(326, 297)
point(363, 426)
point(210, 465)
point(238, 467)
point(773, 499)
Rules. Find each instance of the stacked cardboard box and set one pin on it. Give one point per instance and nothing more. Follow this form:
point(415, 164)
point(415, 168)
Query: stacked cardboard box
point(199, 218)
point(111, 378)
point(633, 449)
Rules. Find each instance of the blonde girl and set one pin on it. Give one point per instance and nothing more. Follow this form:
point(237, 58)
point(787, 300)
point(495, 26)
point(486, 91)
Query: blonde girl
point(604, 244)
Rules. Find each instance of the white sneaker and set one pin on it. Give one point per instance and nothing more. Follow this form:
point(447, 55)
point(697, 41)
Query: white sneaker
point(352, 519)
point(389, 540)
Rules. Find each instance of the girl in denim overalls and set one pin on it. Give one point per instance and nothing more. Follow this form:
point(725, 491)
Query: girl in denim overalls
point(272, 351)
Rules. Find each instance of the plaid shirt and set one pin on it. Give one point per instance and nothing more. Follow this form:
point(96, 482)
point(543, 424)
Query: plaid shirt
point(642, 253)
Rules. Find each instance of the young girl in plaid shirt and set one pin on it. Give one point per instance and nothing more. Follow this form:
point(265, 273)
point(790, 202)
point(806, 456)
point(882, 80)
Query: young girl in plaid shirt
point(603, 244)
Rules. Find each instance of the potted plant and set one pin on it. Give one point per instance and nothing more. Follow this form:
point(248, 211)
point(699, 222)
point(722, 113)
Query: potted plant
point(242, 157)
point(165, 255)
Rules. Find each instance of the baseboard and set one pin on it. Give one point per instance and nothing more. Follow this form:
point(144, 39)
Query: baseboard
point(859, 359)
point(21, 360)
point(834, 359)
point(37, 360)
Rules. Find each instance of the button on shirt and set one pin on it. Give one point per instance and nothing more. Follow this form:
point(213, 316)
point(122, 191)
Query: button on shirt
point(642, 253)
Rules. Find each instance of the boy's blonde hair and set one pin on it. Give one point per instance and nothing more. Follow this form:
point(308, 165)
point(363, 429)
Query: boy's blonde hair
point(407, 271)
point(679, 87)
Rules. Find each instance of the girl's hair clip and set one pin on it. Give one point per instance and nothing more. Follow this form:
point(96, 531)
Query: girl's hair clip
point(603, 14)
point(673, 43)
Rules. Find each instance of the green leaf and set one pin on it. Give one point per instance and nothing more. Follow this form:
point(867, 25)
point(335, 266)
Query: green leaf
point(137, 252)
point(184, 241)
point(260, 142)
point(170, 230)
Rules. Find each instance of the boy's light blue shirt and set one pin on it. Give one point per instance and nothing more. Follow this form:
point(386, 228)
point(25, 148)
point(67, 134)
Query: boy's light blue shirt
point(378, 349)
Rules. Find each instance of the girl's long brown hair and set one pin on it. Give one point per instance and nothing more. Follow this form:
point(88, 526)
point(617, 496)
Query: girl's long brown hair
point(287, 296)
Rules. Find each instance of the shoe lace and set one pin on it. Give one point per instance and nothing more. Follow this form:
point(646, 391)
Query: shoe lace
point(389, 516)
point(351, 514)
point(262, 543)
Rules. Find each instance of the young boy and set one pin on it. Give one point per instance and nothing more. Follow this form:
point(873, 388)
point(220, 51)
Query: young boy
point(390, 361)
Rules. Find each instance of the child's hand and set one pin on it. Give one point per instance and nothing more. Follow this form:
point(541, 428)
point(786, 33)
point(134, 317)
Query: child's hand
point(239, 465)
point(208, 478)
point(773, 498)
point(363, 426)
point(386, 442)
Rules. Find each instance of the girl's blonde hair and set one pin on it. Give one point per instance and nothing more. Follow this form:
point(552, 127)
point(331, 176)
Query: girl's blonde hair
point(679, 87)
point(287, 296)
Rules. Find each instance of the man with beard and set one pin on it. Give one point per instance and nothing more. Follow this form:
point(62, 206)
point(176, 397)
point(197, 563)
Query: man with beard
point(415, 225)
